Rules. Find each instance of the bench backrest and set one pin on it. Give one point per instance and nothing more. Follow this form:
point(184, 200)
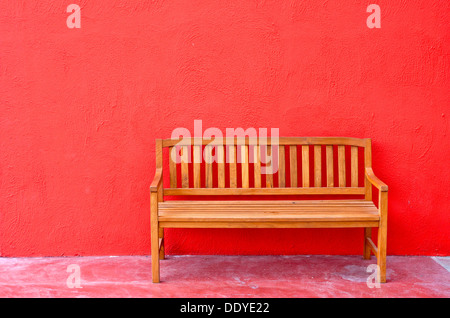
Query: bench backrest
point(300, 165)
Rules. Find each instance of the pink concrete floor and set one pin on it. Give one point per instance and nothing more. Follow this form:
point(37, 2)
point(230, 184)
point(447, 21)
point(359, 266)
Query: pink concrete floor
point(223, 276)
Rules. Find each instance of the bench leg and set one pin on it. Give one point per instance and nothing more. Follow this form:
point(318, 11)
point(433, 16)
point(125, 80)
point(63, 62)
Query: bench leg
point(154, 232)
point(161, 250)
point(381, 257)
point(155, 255)
point(382, 237)
point(367, 248)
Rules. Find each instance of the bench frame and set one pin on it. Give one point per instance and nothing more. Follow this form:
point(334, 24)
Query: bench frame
point(157, 193)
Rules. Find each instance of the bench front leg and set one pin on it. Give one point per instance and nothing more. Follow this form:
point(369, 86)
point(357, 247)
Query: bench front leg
point(156, 194)
point(154, 236)
point(382, 236)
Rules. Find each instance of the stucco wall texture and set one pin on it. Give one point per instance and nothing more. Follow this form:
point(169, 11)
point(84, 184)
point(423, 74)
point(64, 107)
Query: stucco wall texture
point(80, 110)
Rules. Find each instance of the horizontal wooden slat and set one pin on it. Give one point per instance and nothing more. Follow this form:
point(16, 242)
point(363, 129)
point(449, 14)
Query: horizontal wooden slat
point(280, 225)
point(256, 212)
point(281, 141)
point(282, 216)
point(243, 216)
point(263, 191)
point(268, 211)
point(240, 213)
point(342, 202)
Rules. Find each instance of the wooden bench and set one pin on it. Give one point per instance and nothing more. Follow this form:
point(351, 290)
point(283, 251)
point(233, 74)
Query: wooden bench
point(325, 166)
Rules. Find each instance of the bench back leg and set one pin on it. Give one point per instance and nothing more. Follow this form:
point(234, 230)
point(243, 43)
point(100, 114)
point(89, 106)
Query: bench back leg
point(161, 248)
point(367, 247)
point(381, 257)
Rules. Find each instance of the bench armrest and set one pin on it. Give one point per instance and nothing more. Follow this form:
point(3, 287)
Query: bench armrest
point(380, 185)
point(157, 181)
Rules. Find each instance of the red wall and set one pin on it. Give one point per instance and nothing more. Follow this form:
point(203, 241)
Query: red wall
point(81, 108)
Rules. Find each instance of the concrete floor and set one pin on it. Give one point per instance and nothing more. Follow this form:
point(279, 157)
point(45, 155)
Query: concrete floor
point(222, 276)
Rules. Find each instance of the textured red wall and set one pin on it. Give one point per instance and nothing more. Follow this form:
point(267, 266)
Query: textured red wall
point(81, 108)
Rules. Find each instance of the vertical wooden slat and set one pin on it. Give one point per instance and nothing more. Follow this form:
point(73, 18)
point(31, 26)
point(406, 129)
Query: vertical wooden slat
point(220, 166)
point(341, 166)
point(368, 164)
point(232, 164)
point(317, 166)
point(293, 165)
point(269, 168)
point(281, 167)
point(208, 167)
point(257, 166)
point(305, 166)
point(197, 150)
point(330, 169)
point(354, 166)
point(184, 167)
point(172, 168)
point(244, 166)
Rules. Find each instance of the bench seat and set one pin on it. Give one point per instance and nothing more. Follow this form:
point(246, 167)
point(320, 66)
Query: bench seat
point(265, 213)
